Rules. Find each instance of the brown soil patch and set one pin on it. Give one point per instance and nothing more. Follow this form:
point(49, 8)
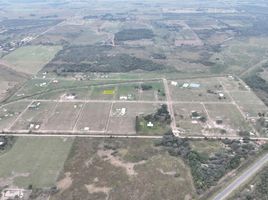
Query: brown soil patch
point(65, 183)
point(92, 188)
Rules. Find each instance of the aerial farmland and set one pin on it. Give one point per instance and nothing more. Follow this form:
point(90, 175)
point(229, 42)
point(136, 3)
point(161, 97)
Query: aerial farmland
point(133, 100)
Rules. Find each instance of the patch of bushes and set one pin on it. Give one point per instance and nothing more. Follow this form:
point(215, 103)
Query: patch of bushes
point(207, 170)
point(6, 142)
point(259, 85)
point(160, 118)
point(146, 87)
point(162, 115)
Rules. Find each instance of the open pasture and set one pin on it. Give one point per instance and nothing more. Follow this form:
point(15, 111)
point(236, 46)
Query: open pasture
point(239, 55)
point(186, 120)
point(232, 83)
point(30, 59)
point(226, 119)
point(43, 89)
point(63, 117)
point(245, 98)
point(34, 161)
point(129, 92)
point(35, 116)
point(253, 110)
point(10, 112)
point(9, 79)
point(115, 168)
point(103, 92)
point(198, 90)
point(94, 117)
point(249, 103)
point(155, 93)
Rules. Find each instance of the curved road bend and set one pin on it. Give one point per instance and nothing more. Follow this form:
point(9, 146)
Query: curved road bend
point(245, 176)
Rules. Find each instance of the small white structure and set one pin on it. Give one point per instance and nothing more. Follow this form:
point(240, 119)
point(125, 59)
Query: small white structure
point(129, 96)
point(20, 95)
point(123, 98)
point(70, 96)
point(12, 194)
point(123, 111)
point(150, 124)
point(86, 128)
point(174, 83)
point(194, 85)
point(221, 95)
point(31, 126)
point(55, 81)
point(43, 84)
point(37, 126)
point(185, 85)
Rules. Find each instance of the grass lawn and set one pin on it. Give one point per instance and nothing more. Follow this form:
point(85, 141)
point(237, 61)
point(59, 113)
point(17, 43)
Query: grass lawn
point(35, 161)
point(157, 129)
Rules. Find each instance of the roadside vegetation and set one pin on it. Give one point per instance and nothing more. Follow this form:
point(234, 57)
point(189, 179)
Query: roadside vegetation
point(256, 189)
point(207, 169)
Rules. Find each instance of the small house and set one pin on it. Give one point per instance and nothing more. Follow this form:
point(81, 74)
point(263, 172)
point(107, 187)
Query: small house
point(174, 83)
point(123, 98)
point(150, 124)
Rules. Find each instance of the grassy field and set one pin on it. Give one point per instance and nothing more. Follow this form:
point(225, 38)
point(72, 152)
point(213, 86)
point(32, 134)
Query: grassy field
point(125, 123)
point(183, 118)
point(207, 89)
point(10, 112)
point(9, 79)
point(232, 120)
point(206, 147)
point(63, 117)
point(35, 161)
point(36, 116)
point(123, 169)
point(240, 55)
point(30, 59)
point(94, 117)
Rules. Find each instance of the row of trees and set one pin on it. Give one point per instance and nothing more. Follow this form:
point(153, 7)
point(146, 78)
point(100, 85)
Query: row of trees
point(160, 117)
